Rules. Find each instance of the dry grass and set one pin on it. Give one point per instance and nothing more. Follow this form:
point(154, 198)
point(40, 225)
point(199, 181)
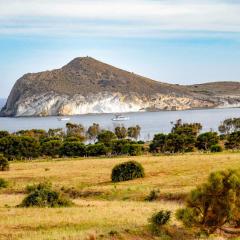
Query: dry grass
point(124, 212)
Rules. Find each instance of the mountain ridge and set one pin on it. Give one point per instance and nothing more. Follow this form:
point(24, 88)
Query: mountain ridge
point(86, 85)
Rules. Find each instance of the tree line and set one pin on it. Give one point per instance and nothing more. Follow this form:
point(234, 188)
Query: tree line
point(95, 141)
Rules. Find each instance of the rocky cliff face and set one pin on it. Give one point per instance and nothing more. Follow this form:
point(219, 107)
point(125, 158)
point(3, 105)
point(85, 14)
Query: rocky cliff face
point(86, 85)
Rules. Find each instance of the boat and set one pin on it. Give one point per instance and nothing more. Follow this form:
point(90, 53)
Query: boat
point(63, 119)
point(120, 118)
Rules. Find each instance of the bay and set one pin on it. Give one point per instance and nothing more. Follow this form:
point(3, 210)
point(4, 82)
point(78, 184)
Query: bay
point(150, 122)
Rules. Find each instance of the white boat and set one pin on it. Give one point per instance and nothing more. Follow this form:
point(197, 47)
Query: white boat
point(63, 118)
point(120, 118)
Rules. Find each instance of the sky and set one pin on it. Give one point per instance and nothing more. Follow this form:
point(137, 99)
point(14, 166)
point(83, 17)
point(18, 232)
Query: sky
point(175, 41)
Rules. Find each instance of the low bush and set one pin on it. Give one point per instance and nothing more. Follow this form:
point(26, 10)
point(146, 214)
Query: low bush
point(216, 148)
point(161, 218)
point(3, 183)
point(158, 220)
point(153, 195)
point(4, 164)
point(127, 171)
point(42, 195)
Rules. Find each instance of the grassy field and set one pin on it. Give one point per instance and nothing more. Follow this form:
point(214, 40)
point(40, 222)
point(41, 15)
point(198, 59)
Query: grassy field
point(104, 209)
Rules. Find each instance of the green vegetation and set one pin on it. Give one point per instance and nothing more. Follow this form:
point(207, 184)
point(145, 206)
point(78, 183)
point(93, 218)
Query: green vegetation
point(42, 195)
point(127, 171)
point(3, 183)
point(213, 204)
point(4, 164)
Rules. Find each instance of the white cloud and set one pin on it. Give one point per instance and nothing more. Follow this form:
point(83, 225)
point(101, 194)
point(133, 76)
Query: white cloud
point(119, 18)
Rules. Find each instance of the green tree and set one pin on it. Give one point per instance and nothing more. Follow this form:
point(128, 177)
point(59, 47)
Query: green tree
point(73, 149)
point(75, 130)
point(159, 143)
point(106, 137)
point(213, 204)
point(37, 134)
point(206, 140)
point(4, 134)
point(121, 132)
point(190, 129)
point(229, 125)
point(134, 132)
point(51, 148)
point(56, 132)
point(19, 147)
point(93, 131)
point(233, 141)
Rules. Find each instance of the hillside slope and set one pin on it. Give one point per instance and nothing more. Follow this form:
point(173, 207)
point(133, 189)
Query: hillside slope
point(86, 85)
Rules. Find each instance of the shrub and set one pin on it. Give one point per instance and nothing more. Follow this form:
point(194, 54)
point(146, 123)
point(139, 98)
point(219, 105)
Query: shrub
point(51, 148)
point(72, 149)
point(19, 146)
point(42, 195)
point(4, 164)
point(127, 171)
point(135, 149)
point(158, 220)
point(3, 183)
point(106, 137)
point(161, 218)
point(213, 204)
point(216, 148)
point(153, 195)
point(206, 140)
point(233, 141)
point(97, 149)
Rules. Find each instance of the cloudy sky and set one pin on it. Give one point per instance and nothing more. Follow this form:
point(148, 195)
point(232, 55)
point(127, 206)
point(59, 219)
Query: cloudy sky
point(176, 41)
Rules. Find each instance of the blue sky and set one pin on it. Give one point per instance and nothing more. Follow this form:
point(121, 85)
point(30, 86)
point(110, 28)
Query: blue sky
point(175, 41)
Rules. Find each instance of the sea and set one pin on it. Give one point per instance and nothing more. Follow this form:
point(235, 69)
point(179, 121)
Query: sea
point(150, 122)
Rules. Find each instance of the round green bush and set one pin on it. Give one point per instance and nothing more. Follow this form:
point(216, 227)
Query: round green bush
point(42, 195)
point(216, 148)
point(127, 171)
point(4, 164)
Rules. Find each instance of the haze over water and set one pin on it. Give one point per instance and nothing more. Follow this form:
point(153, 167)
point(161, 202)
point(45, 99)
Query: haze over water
point(150, 122)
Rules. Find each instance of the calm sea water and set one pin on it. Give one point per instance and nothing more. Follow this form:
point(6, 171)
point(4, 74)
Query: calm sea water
point(150, 122)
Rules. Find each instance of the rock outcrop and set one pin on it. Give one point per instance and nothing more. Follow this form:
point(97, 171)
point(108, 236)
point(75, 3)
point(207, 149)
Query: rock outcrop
point(86, 85)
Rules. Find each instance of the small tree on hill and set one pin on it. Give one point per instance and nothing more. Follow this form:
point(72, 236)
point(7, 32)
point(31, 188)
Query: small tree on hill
point(213, 204)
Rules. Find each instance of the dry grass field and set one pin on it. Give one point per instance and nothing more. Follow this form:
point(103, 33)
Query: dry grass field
point(103, 210)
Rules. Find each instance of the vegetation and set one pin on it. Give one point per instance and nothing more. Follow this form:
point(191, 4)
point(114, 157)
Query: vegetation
point(4, 164)
point(3, 183)
point(158, 220)
point(42, 195)
point(206, 140)
point(127, 171)
point(125, 212)
point(213, 204)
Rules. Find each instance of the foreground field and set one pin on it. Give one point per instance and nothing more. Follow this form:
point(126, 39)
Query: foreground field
point(104, 209)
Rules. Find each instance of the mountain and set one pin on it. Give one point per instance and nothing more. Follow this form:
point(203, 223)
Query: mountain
point(86, 85)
